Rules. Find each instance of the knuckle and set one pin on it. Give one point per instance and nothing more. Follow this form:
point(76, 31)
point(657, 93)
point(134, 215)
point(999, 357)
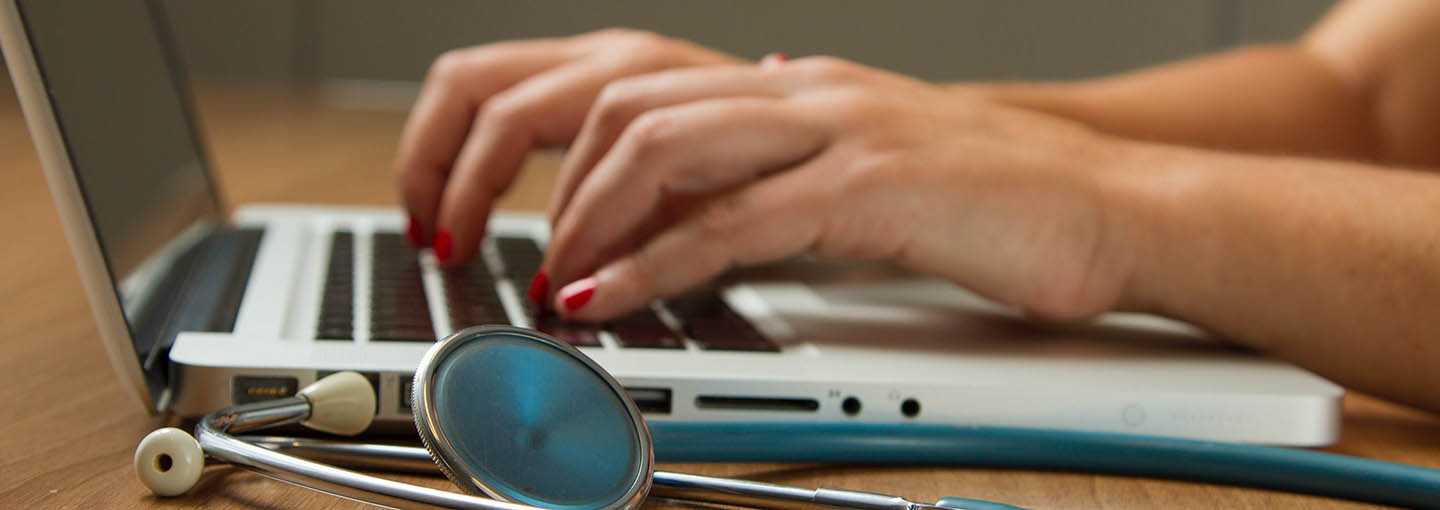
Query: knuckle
point(631, 36)
point(615, 33)
point(828, 68)
point(626, 38)
point(618, 103)
point(650, 134)
point(507, 110)
point(877, 170)
point(852, 108)
point(646, 47)
point(449, 68)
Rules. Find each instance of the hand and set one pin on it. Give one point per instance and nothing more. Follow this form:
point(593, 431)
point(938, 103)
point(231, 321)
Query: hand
point(483, 109)
point(678, 175)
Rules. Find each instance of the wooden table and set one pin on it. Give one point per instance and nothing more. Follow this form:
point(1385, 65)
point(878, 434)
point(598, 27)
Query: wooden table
point(68, 431)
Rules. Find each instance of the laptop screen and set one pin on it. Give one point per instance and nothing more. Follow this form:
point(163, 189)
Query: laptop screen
point(122, 114)
point(121, 111)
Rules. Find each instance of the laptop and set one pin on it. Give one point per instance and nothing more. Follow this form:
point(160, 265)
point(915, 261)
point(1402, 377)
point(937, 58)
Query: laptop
point(201, 307)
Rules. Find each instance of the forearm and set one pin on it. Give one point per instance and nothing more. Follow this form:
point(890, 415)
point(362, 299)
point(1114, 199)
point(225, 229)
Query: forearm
point(1334, 266)
point(1269, 99)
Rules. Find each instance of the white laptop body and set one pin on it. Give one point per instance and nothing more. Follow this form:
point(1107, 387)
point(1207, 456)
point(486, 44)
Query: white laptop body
point(198, 311)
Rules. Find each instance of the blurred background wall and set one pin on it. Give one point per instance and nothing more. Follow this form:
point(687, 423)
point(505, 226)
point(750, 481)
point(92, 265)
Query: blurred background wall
point(386, 45)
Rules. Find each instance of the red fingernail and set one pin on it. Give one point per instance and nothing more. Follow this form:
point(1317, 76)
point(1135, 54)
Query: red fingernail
point(412, 233)
point(576, 294)
point(442, 246)
point(780, 58)
point(539, 288)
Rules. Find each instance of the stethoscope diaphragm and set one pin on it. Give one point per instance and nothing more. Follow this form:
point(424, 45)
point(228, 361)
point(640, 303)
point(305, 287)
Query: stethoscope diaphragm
point(519, 416)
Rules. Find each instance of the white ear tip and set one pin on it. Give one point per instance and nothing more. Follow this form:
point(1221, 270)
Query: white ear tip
point(341, 403)
point(169, 461)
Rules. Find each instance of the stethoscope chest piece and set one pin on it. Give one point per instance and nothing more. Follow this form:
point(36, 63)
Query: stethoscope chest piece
point(540, 426)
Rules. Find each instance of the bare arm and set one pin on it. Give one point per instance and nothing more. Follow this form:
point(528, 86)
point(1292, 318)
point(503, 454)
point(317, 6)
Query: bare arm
point(1359, 85)
point(1331, 264)
point(1335, 266)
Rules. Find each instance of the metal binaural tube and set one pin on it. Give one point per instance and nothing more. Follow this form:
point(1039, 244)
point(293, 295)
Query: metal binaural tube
point(382, 457)
point(680, 486)
point(213, 435)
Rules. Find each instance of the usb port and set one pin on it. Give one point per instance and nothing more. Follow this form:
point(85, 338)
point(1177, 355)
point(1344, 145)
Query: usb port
point(651, 400)
point(407, 393)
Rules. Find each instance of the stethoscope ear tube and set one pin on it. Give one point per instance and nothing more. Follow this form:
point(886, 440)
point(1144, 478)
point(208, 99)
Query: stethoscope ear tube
point(1282, 469)
point(212, 439)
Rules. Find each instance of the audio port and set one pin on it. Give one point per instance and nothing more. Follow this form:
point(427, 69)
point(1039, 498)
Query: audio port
point(910, 408)
point(851, 406)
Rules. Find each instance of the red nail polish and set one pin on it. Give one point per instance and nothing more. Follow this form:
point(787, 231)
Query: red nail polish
point(577, 294)
point(773, 60)
point(539, 289)
point(442, 246)
point(412, 233)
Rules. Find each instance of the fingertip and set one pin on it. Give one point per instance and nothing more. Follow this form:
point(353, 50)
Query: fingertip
point(443, 247)
point(415, 234)
point(774, 60)
point(539, 289)
point(575, 296)
point(604, 295)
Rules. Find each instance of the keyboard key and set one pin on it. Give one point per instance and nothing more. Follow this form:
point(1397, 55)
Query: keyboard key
point(712, 323)
point(471, 297)
point(572, 333)
point(521, 257)
point(399, 309)
point(643, 329)
point(337, 300)
point(403, 334)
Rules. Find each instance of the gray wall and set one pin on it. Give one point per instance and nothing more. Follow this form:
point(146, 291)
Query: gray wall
point(307, 40)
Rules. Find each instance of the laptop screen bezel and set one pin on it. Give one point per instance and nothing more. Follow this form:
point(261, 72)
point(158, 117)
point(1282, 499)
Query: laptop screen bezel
point(100, 282)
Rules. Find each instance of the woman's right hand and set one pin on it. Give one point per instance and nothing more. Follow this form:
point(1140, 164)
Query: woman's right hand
point(483, 109)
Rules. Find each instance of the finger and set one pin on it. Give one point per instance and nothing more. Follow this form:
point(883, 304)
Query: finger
point(622, 101)
point(457, 84)
point(545, 110)
point(775, 218)
point(694, 148)
point(773, 60)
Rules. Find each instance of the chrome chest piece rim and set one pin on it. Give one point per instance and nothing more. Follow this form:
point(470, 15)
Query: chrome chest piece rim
point(449, 451)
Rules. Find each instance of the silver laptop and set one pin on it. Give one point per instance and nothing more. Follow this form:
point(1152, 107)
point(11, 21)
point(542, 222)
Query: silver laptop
point(198, 309)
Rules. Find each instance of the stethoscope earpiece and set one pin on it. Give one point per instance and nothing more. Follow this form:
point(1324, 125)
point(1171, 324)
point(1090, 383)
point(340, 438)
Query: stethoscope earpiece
point(169, 461)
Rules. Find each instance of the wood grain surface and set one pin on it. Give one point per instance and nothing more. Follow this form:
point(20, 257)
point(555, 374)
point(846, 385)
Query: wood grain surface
point(68, 431)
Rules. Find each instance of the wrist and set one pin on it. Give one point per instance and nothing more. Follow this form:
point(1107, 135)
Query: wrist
point(1150, 196)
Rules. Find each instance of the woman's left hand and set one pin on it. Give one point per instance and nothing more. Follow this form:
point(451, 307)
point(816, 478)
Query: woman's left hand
point(679, 175)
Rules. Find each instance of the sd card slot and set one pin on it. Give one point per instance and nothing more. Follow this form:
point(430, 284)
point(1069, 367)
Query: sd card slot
point(730, 402)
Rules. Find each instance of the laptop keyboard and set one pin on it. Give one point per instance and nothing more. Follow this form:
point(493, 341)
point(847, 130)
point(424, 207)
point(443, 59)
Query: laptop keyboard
point(399, 308)
point(337, 309)
point(472, 297)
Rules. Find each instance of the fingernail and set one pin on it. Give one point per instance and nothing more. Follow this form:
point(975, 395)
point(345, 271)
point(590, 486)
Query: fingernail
point(773, 60)
point(442, 246)
point(539, 288)
point(577, 294)
point(412, 233)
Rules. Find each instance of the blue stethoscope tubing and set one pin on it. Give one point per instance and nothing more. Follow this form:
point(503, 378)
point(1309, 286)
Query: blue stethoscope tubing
point(1283, 469)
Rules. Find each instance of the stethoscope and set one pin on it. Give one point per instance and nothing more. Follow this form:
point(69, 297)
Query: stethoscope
point(521, 421)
